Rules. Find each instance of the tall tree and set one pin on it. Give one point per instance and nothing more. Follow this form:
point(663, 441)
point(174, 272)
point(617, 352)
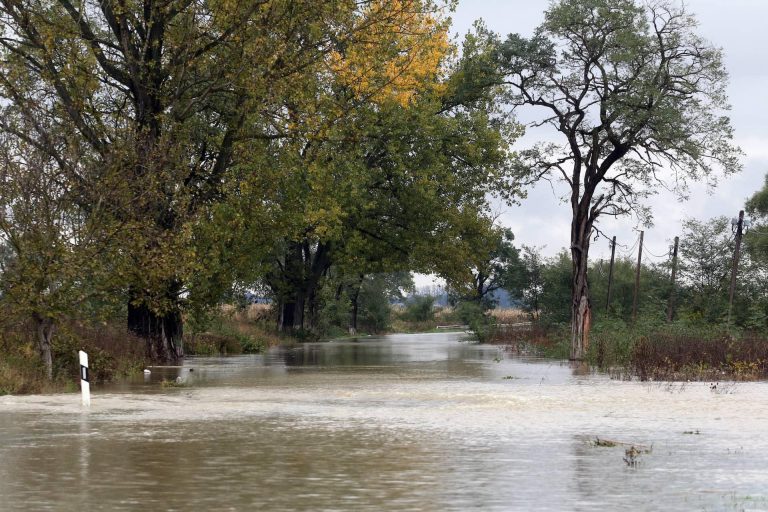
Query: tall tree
point(637, 99)
point(706, 255)
point(56, 259)
point(757, 238)
point(397, 166)
point(165, 93)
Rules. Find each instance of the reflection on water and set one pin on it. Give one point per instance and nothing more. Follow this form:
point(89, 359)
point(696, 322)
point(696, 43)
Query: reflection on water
point(421, 422)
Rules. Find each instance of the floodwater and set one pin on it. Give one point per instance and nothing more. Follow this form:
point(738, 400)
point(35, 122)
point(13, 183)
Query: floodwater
point(405, 422)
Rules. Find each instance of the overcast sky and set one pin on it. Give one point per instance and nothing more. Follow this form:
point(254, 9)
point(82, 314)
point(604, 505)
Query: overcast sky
point(740, 27)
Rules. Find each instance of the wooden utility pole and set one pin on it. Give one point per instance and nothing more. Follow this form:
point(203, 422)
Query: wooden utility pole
point(671, 304)
point(637, 278)
point(739, 232)
point(610, 275)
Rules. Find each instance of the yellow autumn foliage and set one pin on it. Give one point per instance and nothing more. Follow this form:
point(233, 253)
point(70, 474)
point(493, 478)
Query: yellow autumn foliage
point(396, 52)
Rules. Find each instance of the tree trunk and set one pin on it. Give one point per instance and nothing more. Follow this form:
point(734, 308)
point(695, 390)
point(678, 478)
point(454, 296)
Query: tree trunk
point(297, 285)
point(162, 332)
point(581, 311)
point(310, 317)
point(355, 307)
point(317, 264)
point(298, 312)
point(285, 322)
point(45, 328)
point(287, 284)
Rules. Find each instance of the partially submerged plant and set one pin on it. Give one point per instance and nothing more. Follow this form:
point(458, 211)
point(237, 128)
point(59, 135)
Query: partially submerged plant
point(632, 455)
point(178, 383)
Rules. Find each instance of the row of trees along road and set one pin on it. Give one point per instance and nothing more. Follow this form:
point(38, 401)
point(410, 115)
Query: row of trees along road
point(155, 153)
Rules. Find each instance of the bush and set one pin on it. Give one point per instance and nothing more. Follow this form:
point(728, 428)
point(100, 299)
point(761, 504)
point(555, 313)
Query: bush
point(228, 330)
point(419, 309)
point(112, 353)
point(375, 311)
point(677, 351)
point(481, 324)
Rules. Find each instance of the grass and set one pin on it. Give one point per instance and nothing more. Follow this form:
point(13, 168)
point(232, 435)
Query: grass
point(675, 352)
point(24, 376)
point(651, 350)
point(165, 383)
point(112, 353)
point(510, 316)
point(536, 339)
point(486, 326)
point(232, 330)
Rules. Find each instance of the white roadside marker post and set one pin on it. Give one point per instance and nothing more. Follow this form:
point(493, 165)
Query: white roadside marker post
point(85, 386)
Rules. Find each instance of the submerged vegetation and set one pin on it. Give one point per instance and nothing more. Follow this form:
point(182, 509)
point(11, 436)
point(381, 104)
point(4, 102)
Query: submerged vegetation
point(112, 354)
point(653, 350)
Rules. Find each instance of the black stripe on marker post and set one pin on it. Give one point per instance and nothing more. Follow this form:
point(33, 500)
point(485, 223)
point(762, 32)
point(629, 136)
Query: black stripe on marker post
point(84, 373)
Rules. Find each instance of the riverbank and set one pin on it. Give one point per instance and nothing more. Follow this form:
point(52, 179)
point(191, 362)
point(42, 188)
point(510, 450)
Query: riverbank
point(650, 350)
point(643, 351)
point(113, 353)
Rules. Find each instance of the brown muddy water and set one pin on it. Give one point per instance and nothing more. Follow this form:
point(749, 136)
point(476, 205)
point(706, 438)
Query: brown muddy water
point(407, 422)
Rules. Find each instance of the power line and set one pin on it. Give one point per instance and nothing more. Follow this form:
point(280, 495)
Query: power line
point(645, 249)
point(631, 249)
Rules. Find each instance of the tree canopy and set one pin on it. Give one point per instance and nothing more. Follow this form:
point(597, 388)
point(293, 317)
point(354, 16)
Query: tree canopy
point(638, 102)
point(184, 148)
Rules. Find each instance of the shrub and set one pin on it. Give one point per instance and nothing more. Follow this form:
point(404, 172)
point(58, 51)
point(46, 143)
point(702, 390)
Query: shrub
point(419, 309)
point(481, 324)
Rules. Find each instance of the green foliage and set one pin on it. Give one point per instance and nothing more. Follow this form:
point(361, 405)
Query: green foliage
point(362, 303)
point(526, 281)
point(335, 310)
point(482, 324)
point(419, 308)
point(554, 300)
point(496, 265)
point(19, 375)
point(756, 271)
point(216, 332)
point(376, 295)
point(706, 255)
point(705, 258)
point(382, 183)
point(55, 262)
point(240, 128)
point(223, 342)
point(654, 350)
point(654, 289)
point(246, 145)
point(467, 312)
point(627, 87)
point(112, 354)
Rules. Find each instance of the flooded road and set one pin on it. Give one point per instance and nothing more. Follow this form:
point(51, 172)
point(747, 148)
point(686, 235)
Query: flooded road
point(405, 422)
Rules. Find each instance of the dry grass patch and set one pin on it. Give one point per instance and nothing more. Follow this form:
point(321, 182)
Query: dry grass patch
point(510, 316)
point(112, 353)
